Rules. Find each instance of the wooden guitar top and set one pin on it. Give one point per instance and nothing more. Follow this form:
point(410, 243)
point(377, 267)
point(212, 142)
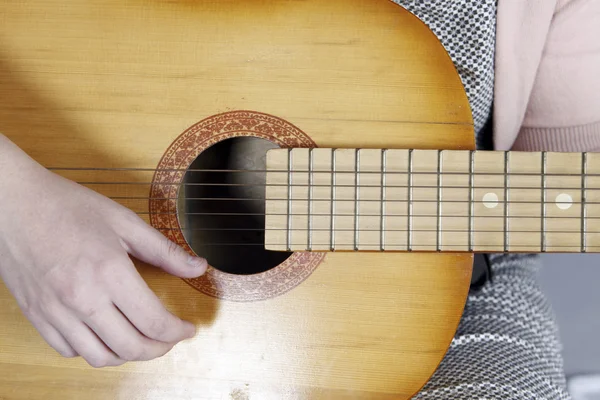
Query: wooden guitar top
point(145, 83)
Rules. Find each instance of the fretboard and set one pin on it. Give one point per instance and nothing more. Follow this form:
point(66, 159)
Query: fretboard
point(429, 200)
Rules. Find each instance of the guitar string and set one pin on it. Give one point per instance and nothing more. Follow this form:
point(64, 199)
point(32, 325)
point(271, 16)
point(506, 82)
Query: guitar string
point(336, 186)
point(210, 184)
point(248, 214)
point(316, 171)
point(428, 248)
point(350, 200)
point(352, 230)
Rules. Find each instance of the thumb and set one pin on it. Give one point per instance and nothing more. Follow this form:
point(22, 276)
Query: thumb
point(149, 245)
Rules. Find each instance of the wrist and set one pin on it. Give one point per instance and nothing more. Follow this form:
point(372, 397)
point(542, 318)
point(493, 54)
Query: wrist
point(17, 168)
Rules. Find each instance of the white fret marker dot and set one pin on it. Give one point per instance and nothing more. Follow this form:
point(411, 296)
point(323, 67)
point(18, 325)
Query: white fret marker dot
point(564, 201)
point(490, 200)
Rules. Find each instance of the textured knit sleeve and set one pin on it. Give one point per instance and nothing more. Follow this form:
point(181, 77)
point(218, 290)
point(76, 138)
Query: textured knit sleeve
point(564, 107)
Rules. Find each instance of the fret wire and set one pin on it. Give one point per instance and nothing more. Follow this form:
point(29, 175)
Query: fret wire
point(383, 197)
point(583, 202)
point(333, 196)
point(544, 166)
point(310, 195)
point(356, 195)
point(506, 194)
point(439, 202)
point(410, 198)
point(289, 205)
point(471, 197)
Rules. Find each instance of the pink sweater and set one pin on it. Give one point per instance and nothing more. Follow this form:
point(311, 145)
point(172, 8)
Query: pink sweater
point(547, 90)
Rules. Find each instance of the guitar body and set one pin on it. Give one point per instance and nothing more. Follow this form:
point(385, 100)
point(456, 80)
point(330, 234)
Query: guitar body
point(145, 85)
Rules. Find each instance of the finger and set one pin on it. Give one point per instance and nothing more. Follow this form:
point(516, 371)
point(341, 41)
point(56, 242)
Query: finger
point(149, 245)
point(141, 306)
point(53, 337)
point(84, 341)
point(123, 338)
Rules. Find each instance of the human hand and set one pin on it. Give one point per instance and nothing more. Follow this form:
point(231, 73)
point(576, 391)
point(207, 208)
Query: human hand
point(64, 257)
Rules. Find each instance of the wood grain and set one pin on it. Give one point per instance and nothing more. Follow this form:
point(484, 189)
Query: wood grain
point(106, 83)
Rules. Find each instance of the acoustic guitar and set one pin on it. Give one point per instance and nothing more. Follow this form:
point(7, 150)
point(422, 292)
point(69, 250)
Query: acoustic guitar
point(318, 153)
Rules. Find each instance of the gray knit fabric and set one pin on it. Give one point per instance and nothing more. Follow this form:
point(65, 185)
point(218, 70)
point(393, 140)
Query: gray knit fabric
point(467, 30)
point(507, 345)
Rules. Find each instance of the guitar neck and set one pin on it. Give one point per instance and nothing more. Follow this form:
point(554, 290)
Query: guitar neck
point(430, 200)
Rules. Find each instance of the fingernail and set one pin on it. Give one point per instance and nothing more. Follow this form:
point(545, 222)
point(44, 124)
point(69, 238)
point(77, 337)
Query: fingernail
point(197, 262)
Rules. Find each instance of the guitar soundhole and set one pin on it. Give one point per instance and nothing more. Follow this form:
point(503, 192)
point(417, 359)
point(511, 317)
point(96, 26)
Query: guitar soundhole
point(221, 206)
